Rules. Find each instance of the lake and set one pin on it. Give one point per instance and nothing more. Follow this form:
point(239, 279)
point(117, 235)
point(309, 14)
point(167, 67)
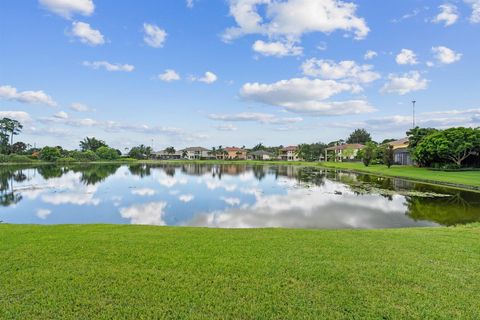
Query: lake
point(226, 196)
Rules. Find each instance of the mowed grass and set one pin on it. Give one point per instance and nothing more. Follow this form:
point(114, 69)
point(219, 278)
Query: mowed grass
point(466, 178)
point(139, 272)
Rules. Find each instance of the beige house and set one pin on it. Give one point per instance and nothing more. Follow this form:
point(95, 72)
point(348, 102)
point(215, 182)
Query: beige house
point(401, 152)
point(289, 154)
point(343, 152)
point(195, 153)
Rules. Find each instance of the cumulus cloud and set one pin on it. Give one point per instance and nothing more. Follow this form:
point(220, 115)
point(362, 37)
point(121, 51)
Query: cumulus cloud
point(226, 127)
point(406, 56)
point(448, 14)
point(276, 48)
point(292, 18)
point(231, 201)
point(21, 116)
point(370, 54)
point(303, 95)
point(79, 107)
point(263, 118)
point(31, 97)
point(61, 115)
point(446, 55)
point(144, 192)
point(208, 78)
point(154, 36)
point(346, 70)
point(186, 198)
point(405, 83)
point(475, 4)
point(86, 34)
point(145, 214)
point(67, 8)
point(43, 213)
point(109, 66)
point(169, 75)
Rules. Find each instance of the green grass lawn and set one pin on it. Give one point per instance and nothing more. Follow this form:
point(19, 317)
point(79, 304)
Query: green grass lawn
point(465, 178)
point(137, 272)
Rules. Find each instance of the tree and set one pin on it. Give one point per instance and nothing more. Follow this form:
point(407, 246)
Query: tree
point(452, 145)
point(311, 152)
point(360, 136)
point(107, 153)
point(50, 154)
point(140, 152)
point(388, 156)
point(92, 144)
point(368, 153)
point(170, 150)
point(18, 147)
point(259, 147)
point(10, 127)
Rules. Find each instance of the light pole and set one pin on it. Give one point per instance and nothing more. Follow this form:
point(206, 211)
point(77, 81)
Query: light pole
point(413, 103)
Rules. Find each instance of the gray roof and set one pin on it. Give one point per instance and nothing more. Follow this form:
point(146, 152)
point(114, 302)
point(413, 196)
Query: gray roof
point(193, 149)
point(260, 153)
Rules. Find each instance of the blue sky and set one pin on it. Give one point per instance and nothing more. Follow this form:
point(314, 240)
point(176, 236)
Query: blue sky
point(236, 72)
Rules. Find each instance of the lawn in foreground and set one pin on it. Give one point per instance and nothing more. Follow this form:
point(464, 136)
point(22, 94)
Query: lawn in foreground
point(79, 272)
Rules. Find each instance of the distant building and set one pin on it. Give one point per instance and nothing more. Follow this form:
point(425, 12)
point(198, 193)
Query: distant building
point(289, 153)
point(343, 152)
point(164, 155)
point(260, 155)
point(401, 153)
point(196, 153)
point(234, 153)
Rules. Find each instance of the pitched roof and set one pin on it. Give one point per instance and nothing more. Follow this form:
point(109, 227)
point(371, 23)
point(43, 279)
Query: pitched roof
point(260, 153)
point(290, 148)
point(234, 149)
point(402, 143)
point(195, 149)
point(347, 146)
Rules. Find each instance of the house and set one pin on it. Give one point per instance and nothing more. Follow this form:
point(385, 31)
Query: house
point(343, 152)
point(234, 153)
point(260, 155)
point(401, 153)
point(289, 154)
point(164, 155)
point(196, 153)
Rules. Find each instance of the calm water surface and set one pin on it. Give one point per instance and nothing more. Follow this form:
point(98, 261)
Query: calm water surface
point(226, 196)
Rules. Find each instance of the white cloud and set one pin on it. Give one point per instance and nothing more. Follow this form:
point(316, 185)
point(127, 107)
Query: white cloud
point(226, 127)
point(61, 115)
point(231, 201)
point(405, 83)
point(144, 192)
point(145, 214)
point(67, 8)
point(347, 70)
point(475, 4)
point(87, 34)
point(208, 78)
point(263, 118)
point(186, 197)
point(276, 48)
point(32, 97)
point(190, 3)
point(79, 107)
point(154, 36)
point(43, 213)
point(448, 14)
point(406, 56)
point(370, 54)
point(109, 66)
point(292, 18)
point(21, 116)
point(446, 55)
point(169, 75)
point(303, 95)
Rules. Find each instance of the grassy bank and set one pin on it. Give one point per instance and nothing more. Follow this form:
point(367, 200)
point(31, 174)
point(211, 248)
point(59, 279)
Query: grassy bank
point(80, 272)
point(458, 178)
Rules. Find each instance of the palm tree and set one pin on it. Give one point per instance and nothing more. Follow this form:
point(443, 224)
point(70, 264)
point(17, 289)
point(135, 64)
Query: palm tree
point(170, 150)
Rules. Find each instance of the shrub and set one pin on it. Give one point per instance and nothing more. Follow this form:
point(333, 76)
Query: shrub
point(66, 160)
point(84, 156)
point(15, 158)
point(50, 154)
point(106, 153)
